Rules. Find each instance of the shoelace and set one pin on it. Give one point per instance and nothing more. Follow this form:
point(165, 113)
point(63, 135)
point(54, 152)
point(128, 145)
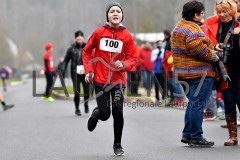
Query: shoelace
point(118, 147)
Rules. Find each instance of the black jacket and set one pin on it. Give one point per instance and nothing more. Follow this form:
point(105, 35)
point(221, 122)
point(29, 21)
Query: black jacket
point(74, 53)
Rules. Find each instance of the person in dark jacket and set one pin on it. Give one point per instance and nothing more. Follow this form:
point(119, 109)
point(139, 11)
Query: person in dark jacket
point(48, 70)
point(74, 53)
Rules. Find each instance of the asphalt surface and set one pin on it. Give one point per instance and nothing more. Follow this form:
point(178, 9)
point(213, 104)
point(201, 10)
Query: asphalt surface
point(39, 130)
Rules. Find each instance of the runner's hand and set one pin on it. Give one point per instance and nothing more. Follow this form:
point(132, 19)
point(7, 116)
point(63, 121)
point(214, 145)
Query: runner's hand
point(118, 64)
point(89, 77)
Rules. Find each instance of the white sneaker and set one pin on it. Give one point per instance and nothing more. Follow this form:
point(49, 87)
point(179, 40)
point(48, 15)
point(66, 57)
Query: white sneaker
point(219, 110)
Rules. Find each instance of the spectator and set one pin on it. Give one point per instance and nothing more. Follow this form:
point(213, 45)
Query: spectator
point(193, 54)
point(217, 29)
point(210, 113)
point(146, 66)
point(134, 76)
point(49, 71)
point(166, 68)
point(156, 57)
point(220, 104)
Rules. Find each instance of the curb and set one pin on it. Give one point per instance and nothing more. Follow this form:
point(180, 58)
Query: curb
point(142, 99)
point(62, 96)
point(16, 83)
point(126, 99)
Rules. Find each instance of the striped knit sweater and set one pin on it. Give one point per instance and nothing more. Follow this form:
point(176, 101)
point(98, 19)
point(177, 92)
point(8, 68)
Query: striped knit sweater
point(193, 54)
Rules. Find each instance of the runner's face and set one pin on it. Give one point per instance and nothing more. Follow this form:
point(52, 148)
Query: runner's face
point(115, 16)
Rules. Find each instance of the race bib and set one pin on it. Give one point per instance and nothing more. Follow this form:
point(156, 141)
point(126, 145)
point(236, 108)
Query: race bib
point(80, 69)
point(111, 45)
point(51, 64)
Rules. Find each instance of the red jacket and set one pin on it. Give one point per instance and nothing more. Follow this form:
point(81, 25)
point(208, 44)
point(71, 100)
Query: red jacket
point(167, 67)
point(210, 28)
point(145, 59)
point(48, 62)
point(99, 63)
point(137, 51)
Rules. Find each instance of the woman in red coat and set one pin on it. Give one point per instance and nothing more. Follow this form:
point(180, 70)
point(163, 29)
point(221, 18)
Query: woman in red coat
point(216, 28)
point(146, 65)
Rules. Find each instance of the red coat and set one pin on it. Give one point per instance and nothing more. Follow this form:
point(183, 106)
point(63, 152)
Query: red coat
point(167, 67)
point(48, 62)
point(137, 51)
point(145, 59)
point(99, 63)
point(210, 28)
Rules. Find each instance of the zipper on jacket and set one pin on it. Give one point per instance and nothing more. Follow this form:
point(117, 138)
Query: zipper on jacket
point(110, 72)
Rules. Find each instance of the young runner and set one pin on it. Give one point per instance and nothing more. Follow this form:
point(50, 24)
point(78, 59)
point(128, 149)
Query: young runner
point(114, 54)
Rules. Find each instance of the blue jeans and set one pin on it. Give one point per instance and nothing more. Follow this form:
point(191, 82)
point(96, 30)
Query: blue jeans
point(196, 105)
point(147, 80)
point(231, 95)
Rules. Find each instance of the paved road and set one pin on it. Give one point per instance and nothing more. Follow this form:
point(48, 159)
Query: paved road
point(37, 130)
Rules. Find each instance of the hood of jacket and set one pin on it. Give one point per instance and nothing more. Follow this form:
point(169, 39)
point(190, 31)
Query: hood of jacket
point(120, 27)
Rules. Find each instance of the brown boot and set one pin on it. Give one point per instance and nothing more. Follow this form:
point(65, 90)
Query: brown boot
point(232, 129)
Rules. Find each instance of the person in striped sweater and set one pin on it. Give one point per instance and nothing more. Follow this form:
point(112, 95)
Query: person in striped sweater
point(193, 59)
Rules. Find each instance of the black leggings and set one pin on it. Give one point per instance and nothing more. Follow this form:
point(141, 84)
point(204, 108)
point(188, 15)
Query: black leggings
point(103, 102)
point(49, 78)
point(77, 79)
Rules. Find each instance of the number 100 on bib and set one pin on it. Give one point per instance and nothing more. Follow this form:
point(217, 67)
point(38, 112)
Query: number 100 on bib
point(111, 45)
